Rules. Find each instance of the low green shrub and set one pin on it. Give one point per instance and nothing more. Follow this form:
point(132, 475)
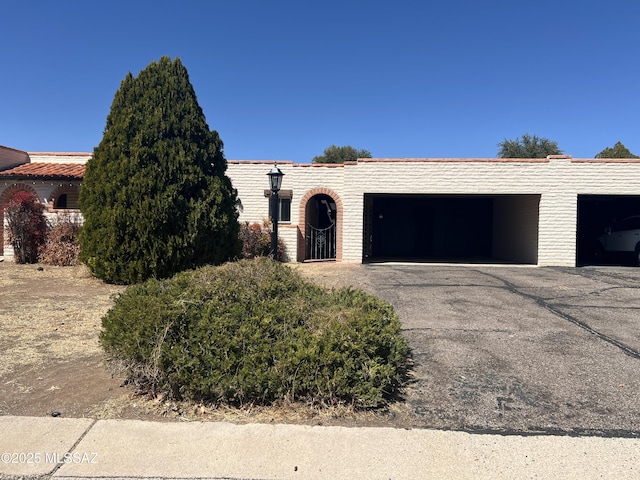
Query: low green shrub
point(255, 331)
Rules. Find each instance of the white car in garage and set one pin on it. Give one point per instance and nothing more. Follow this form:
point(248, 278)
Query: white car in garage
point(621, 239)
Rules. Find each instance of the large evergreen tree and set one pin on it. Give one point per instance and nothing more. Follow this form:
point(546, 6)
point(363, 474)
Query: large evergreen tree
point(155, 196)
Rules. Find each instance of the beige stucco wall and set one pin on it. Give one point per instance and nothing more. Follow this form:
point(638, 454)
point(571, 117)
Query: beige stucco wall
point(557, 180)
point(250, 179)
point(59, 157)
point(544, 214)
point(429, 176)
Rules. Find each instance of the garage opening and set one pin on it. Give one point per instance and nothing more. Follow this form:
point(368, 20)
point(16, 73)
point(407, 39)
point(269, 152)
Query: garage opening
point(602, 216)
point(451, 228)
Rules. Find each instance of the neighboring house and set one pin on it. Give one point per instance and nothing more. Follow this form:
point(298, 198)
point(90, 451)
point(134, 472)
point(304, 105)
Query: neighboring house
point(474, 210)
point(54, 178)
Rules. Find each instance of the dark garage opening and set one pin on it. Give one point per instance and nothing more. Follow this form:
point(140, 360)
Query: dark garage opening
point(595, 213)
point(451, 228)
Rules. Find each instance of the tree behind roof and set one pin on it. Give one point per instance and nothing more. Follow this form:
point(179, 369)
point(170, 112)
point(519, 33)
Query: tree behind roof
point(334, 154)
point(529, 146)
point(155, 196)
point(617, 151)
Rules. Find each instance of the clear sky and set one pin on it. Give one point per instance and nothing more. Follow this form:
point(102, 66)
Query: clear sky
point(284, 79)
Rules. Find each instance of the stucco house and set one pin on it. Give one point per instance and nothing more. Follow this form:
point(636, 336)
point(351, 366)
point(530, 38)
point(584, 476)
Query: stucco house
point(54, 178)
point(543, 212)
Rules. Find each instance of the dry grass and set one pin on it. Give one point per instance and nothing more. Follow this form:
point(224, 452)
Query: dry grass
point(50, 319)
point(48, 314)
point(142, 407)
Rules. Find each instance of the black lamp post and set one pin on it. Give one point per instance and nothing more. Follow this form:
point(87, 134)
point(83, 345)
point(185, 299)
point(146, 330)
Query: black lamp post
point(275, 179)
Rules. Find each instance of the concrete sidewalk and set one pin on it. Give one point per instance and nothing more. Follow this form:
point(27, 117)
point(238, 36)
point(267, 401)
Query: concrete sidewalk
point(84, 448)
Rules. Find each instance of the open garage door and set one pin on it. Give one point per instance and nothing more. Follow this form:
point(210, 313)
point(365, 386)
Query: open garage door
point(598, 214)
point(451, 228)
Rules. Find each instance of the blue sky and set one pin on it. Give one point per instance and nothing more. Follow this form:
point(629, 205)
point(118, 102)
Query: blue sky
point(284, 79)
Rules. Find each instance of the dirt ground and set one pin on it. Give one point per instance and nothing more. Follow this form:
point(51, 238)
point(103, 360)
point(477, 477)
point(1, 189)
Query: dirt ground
point(51, 363)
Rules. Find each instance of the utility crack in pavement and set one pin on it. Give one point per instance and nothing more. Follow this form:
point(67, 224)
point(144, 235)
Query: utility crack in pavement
point(626, 349)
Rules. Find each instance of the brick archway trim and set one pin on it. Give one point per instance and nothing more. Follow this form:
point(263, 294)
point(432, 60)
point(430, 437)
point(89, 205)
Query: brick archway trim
point(7, 195)
point(59, 191)
point(302, 220)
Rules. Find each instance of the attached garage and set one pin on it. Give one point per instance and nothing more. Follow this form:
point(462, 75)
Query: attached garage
point(595, 213)
point(451, 228)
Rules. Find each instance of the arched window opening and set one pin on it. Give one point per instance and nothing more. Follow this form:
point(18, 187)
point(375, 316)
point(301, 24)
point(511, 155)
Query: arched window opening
point(66, 199)
point(61, 201)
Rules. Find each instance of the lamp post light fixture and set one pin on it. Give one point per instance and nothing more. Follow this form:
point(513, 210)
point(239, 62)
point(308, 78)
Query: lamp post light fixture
point(275, 180)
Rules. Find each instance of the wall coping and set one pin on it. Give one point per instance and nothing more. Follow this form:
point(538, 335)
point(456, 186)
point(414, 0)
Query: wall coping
point(548, 159)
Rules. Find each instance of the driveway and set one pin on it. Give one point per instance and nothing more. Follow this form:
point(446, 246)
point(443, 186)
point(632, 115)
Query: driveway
point(519, 349)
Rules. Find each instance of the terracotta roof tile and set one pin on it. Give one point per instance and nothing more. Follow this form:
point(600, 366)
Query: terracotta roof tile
point(45, 170)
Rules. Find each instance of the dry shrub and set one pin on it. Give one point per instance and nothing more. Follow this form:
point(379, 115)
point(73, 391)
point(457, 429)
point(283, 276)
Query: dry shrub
point(27, 226)
point(61, 247)
point(256, 241)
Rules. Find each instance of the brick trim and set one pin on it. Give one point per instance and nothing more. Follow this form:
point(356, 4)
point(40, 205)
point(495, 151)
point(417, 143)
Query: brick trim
point(302, 221)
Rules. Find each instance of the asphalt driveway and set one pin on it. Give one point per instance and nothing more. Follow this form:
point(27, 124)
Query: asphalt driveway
point(519, 349)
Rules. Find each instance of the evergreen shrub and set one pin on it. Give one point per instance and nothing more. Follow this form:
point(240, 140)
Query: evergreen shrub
point(255, 331)
point(155, 196)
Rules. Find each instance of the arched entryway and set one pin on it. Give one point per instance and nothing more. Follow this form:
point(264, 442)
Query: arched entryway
point(321, 228)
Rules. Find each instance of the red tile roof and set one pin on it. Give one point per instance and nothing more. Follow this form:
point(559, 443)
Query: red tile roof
point(46, 170)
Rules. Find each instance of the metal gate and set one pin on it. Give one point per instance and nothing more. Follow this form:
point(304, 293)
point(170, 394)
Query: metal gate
point(321, 242)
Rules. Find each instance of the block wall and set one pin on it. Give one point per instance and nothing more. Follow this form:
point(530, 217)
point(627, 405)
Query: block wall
point(546, 209)
point(548, 188)
point(250, 179)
